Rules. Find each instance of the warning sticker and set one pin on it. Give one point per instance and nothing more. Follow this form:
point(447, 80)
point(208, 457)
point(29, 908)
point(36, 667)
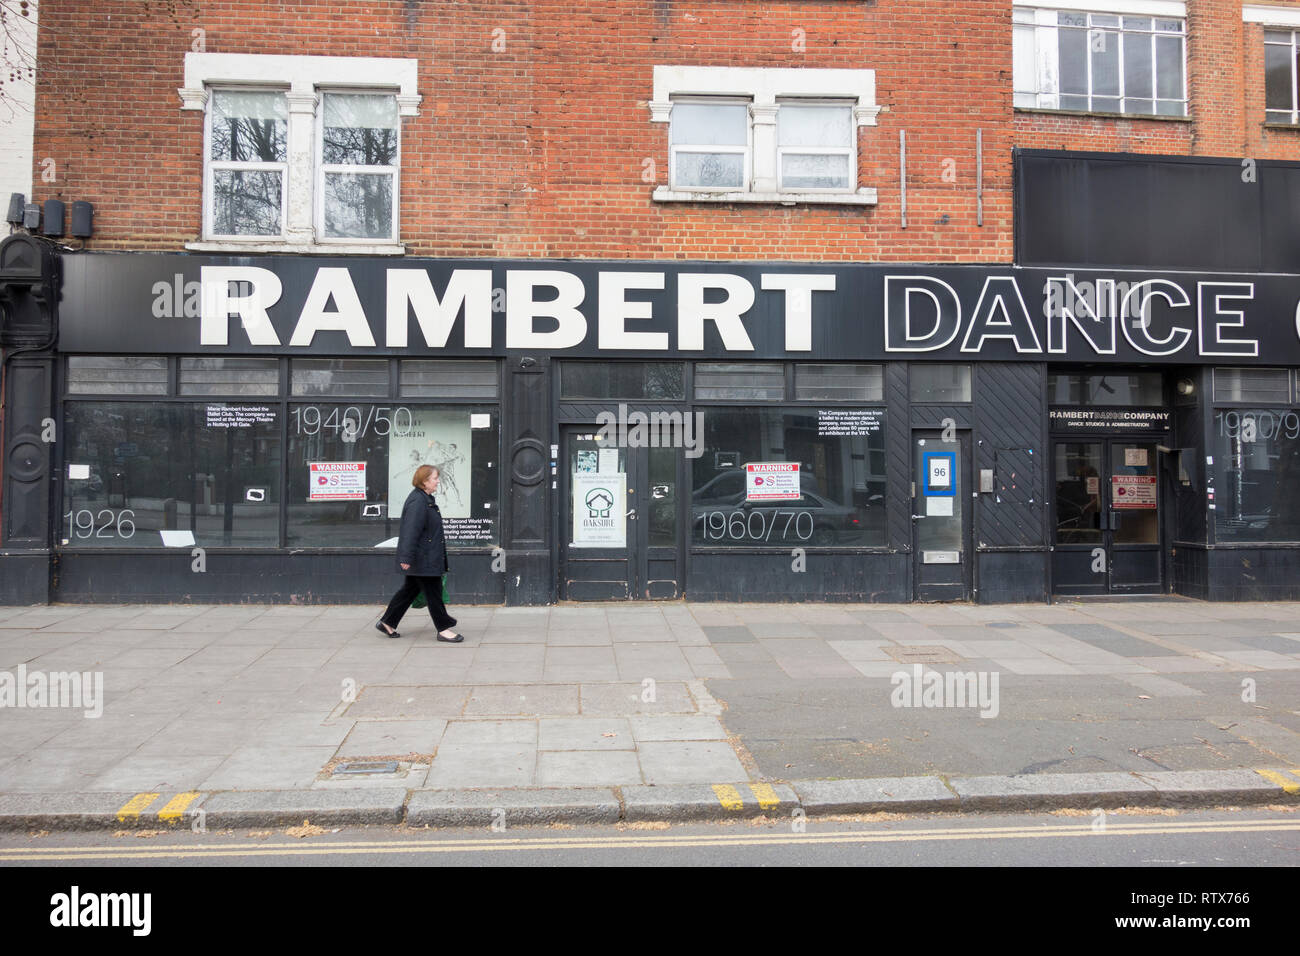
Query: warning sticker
point(772, 481)
point(1133, 491)
point(336, 481)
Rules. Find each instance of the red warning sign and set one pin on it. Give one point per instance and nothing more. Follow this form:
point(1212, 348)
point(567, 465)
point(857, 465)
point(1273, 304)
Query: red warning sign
point(1133, 491)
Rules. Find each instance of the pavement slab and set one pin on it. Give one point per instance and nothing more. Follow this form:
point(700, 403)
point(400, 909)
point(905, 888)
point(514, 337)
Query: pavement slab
point(616, 709)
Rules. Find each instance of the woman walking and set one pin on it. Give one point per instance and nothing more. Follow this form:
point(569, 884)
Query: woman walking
point(422, 557)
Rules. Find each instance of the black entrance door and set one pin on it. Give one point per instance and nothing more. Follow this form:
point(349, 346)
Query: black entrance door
point(1107, 517)
point(941, 515)
point(620, 520)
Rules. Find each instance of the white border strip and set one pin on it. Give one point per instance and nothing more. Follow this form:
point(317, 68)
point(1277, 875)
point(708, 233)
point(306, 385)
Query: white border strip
point(1134, 8)
point(1272, 16)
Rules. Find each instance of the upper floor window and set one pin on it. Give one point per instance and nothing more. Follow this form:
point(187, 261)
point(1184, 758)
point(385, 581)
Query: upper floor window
point(357, 185)
point(764, 135)
point(1102, 56)
point(302, 153)
point(1280, 105)
point(248, 136)
point(816, 146)
point(1281, 70)
point(709, 144)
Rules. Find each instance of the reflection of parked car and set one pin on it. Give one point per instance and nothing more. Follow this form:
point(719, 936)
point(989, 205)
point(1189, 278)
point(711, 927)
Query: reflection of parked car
point(810, 519)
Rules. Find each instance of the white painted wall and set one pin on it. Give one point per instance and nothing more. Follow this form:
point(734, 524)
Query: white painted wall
point(17, 108)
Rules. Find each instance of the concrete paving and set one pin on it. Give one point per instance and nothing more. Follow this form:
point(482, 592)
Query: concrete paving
point(659, 711)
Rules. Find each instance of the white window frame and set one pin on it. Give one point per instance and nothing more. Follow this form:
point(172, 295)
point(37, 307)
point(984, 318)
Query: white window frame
point(850, 151)
point(765, 89)
point(1036, 70)
point(322, 168)
point(303, 78)
point(746, 152)
point(1283, 19)
point(1293, 114)
point(212, 166)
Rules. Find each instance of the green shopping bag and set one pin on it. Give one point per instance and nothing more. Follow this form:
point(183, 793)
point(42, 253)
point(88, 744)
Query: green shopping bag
point(420, 599)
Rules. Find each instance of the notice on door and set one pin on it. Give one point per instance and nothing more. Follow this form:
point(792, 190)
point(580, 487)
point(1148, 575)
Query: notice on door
point(1133, 492)
point(336, 481)
point(772, 481)
point(599, 511)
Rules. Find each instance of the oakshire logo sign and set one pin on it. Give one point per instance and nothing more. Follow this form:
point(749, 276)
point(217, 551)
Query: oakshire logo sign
point(598, 510)
point(599, 501)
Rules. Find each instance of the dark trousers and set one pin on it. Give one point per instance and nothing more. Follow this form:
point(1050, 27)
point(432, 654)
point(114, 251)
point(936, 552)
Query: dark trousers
point(411, 586)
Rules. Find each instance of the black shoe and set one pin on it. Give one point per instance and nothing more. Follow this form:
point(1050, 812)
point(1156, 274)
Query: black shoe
point(450, 640)
point(379, 626)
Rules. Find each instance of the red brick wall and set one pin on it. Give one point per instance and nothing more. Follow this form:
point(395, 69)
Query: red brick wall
point(539, 150)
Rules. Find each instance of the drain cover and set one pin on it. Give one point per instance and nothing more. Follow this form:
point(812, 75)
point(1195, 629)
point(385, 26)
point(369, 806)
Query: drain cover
point(387, 766)
point(922, 654)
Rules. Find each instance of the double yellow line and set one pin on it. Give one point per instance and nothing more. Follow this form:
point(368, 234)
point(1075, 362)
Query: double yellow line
point(644, 841)
point(170, 812)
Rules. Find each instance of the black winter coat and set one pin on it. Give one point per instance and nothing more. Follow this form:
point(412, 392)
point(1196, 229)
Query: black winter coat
point(421, 543)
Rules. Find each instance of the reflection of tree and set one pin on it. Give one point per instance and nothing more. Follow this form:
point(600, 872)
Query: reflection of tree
point(247, 203)
point(359, 131)
point(244, 139)
point(359, 146)
point(358, 205)
point(663, 380)
point(17, 54)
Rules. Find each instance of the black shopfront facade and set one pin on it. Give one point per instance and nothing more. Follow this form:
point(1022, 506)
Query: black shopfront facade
point(241, 429)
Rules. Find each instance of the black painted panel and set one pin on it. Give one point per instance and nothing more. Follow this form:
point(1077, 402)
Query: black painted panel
point(898, 466)
point(1132, 211)
point(1011, 576)
point(870, 578)
point(267, 578)
point(1009, 411)
point(24, 578)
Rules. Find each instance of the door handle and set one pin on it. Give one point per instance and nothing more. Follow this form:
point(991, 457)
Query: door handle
point(914, 517)
point(630, 514)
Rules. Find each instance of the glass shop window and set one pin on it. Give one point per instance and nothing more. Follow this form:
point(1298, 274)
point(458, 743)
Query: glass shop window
point(143, 475)
point(230, 376)
point(342, 377)
point(350, 469)
point(839, 383)
point(1256, 474)
point(1138, 388)
point(117, 375)
point(790, 477)
point(418, 378)
point(647, 381)
point(739, 381)
point(1264, 385)
point(943, 384)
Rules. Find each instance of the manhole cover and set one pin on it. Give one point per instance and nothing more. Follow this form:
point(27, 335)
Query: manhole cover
point(387, 766)
point(922, 654)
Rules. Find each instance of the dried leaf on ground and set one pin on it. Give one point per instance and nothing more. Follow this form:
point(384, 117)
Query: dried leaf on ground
point(645, 825)
point(307, 829)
